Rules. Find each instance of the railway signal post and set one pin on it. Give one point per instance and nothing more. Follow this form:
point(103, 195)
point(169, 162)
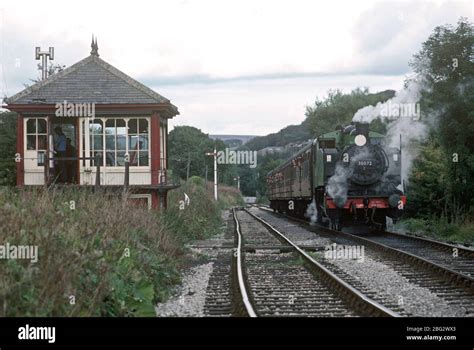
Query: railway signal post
point(215, 170)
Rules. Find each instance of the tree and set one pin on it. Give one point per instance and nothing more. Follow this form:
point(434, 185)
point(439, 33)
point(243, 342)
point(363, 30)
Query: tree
point(7, 149)
point(429, 181)
point(52, 69)
point(339, 108)
point(187, 155)
point(446, 64)
point(187, 147)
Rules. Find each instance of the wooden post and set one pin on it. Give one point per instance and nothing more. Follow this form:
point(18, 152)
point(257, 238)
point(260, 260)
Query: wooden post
point(46, 169)
point(97, 174)
point(127, 176)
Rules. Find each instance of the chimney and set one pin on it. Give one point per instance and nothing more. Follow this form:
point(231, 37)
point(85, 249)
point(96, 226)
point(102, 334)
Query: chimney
point(362, 129)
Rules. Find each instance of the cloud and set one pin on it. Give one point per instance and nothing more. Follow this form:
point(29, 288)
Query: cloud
point(260, 107)
point(230, 66)
point(388, 34)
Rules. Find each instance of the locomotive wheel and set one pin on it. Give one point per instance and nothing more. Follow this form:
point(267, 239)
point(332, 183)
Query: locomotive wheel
point(335, 225)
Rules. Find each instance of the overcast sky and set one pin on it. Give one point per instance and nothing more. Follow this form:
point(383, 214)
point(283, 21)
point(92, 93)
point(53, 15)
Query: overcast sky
point(231, 67)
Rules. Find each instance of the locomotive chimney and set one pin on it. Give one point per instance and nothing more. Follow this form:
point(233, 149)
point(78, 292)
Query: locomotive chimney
point(362, 129)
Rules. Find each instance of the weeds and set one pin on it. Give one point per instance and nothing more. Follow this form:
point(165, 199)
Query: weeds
point(104, 257)
point(439, 229)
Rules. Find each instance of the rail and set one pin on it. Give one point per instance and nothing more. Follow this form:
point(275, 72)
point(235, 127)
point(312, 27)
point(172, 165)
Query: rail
point(238, 261)
point(454, 276)
point(350, 293)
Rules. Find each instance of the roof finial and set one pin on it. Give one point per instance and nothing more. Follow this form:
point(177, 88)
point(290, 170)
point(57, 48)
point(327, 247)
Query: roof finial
point(94, 47)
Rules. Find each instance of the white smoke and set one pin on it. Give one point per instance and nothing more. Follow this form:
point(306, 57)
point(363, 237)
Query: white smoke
point(312, 212)
point(338, 183)
point(398, 107)
point(402, 113)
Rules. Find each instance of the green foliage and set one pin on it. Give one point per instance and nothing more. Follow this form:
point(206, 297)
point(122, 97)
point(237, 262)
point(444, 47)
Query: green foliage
point(324, 116)
point(428, 183)
point(197, 181)
point(446, 48)
point(439, 229)
point(339, 108)
point(229, 197)
point(291, 133)
point(187, 155)
point(262, 200)
point(114, 258)
point(248, 179)
point(267, 163)
point(201, 218)
point(7, 149)
point(441, 186)
point(187, 147)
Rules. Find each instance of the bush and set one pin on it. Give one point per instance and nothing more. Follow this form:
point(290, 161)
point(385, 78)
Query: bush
point(197, 181)
point(201, 218)
point(262, 200)
point(115, 260)
point(439, 229)
point(7, 149)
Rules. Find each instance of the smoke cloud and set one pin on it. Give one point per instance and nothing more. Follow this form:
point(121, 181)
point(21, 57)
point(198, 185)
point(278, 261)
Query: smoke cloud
point(402, 113)
point(337, 187)
point(312, 212)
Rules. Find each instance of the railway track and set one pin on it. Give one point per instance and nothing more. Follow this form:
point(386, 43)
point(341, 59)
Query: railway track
point(454, 262)
point(455, 258)
point(277, 278)
point(444, 269)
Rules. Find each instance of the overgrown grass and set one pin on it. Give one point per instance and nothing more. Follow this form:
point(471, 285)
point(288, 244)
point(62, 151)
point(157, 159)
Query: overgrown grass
point(104, 258)
point(439, 229)
point(263, 200)
point(201, 218)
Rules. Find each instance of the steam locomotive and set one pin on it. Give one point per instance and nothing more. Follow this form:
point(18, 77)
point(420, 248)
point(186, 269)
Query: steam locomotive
point(342, 178)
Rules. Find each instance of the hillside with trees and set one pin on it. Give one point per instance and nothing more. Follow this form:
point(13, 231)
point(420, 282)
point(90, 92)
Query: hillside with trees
point(322, 116)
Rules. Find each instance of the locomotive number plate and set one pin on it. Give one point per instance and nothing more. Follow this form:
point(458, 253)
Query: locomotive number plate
point(365, 163)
